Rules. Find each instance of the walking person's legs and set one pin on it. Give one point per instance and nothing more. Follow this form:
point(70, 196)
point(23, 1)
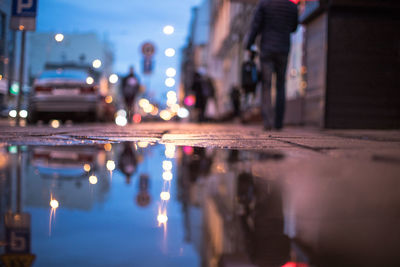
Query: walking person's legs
point(266, 105)
point(280, 68)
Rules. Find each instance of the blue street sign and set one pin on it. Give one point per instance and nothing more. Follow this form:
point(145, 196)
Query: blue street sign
point(23, 15)
point(24, 8)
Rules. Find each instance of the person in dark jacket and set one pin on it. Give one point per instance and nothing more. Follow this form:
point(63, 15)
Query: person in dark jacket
point(130, 88)
point(274, 20)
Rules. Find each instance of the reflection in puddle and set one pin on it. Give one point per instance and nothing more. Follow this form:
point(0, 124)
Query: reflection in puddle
point(141, 204)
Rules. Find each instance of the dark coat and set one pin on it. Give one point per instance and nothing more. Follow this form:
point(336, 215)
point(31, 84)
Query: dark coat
point(274, 20)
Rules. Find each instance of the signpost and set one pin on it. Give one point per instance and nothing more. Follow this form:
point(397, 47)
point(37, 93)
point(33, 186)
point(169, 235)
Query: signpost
point(23, 18)
point(148, 50)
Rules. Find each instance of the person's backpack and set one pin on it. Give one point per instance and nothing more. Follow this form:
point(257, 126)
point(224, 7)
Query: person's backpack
point(249, 74)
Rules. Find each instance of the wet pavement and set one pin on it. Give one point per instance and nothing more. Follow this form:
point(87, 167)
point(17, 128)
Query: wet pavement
point(173, 196)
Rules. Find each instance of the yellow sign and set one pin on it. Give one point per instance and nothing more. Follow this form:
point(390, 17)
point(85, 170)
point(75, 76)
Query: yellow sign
point(18, 260)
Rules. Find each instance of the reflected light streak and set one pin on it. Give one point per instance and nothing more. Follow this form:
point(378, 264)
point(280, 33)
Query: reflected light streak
point(54, 204)
point(167, 165)
point(93, 180)
point(170, 151)
point(143, 144)
point(110, 165)
point(165, 196)
point(167, 176)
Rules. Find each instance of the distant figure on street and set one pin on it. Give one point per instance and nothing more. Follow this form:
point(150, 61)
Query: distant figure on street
point(204, 89)
point(235, 100)
point(274, 20)
point(130, 88)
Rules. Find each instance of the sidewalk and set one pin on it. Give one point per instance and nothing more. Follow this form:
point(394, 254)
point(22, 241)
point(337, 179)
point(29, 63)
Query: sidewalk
point(371, 145)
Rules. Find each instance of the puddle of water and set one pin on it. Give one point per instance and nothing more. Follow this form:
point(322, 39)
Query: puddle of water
point(146, 204)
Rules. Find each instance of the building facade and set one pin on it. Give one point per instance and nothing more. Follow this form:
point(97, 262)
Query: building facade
point(7, 52)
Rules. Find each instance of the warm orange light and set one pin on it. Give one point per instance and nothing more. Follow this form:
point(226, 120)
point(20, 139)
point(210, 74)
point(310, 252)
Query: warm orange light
point(87, 167)
point(21, 27)
point(107, 147)
point(108, 99)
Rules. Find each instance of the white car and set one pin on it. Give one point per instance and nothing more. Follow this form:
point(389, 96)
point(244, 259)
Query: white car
point(64, 94)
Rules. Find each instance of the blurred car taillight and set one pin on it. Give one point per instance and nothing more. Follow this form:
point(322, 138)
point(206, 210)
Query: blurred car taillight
point(42, 89)
point(89, 90)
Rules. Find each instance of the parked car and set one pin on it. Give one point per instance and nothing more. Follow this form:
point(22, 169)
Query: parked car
point(64, 94)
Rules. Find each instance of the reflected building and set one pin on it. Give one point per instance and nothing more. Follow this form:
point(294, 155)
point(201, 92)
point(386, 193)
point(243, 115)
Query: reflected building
point(261, 209)
point(226, 218)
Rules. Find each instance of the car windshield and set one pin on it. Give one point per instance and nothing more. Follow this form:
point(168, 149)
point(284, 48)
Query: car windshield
point(66, 74)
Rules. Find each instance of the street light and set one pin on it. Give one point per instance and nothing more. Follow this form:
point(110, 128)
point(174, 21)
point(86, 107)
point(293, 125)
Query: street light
point(89, 80)
point(170, 72)
point(113, 78)
point(96, 63)
point(59, 37)
point(168, 30)
point(169, 52)
point(170, 82)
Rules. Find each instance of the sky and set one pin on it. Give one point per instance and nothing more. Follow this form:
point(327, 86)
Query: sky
point(126, 24)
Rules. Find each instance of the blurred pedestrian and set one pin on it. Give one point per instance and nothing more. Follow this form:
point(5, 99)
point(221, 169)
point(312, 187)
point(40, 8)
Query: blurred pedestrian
point(130, 88)
point(274, 20)
point(235, 100)
point(204, 89)
point(127, 162)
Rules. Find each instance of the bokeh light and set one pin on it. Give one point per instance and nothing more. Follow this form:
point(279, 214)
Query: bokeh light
point(113, 78)
point(59, 37)
point(170, 72)
point(165, 196)
point(87, 167)
point(167, 165)
point(167, 176)
point(110, 165)
point(165, 115)
point(12, 113)
point(54, 204)
point(190, 100)
point(121, 120)
point(96, 63)
point(168, 30)
point(169, 52)
point(170, 82)
point(89, 80)
point(93, 179)
point(55, 123)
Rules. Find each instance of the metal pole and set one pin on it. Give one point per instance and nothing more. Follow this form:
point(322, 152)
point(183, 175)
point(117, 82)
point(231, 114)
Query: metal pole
point(19, 182)
point(21, 75)
point(11, 71)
